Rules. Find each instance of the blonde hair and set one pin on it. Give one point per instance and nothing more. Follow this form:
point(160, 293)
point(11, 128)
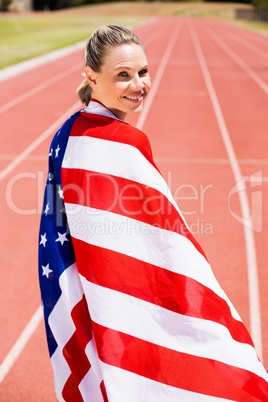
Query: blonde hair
point(97, 45)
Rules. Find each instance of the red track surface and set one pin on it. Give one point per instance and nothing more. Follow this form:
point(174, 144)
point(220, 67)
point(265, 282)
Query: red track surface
point(212, 78)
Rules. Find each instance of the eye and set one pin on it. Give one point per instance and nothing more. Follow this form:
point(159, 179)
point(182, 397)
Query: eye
point(143, 72)
point(123, 74)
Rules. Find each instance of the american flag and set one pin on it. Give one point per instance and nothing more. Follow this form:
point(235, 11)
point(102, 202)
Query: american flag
point(132, 309)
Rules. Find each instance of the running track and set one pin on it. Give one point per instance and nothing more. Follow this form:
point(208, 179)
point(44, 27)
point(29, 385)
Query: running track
point(207, 121)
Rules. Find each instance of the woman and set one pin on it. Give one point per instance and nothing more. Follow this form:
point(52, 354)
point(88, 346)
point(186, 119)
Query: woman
point(132, 309)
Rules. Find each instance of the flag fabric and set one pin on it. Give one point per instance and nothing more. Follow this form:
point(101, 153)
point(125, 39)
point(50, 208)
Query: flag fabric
point(132, 309)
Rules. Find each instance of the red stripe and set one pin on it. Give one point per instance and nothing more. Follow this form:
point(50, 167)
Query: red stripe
point(124, 197)
point(70, 392)
point(107, 128)
point(180, 370)
point(156, 285)
point(103, 392)
point(74, 350)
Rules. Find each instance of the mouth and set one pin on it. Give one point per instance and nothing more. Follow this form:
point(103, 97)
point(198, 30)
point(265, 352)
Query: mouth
point(135, 98)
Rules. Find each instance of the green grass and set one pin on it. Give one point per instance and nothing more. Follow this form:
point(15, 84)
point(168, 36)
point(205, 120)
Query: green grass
point(26, 35)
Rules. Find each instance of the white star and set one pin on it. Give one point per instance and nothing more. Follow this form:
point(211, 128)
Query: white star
point(50, 153)
point(57, 151)
point(62, 238)
point(47, 209)
point(50, 176)
point(43, 239)
point(46, 270)
point(60, 192)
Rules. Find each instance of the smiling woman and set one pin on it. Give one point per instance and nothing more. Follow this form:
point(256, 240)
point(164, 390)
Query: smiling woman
point(116, 71)
point(123, 82)
point(132, 309)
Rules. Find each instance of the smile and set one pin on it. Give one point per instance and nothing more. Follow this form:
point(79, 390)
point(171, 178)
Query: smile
point(134, 98)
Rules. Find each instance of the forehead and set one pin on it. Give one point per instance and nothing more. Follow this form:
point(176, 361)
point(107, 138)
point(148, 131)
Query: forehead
point(130, 55)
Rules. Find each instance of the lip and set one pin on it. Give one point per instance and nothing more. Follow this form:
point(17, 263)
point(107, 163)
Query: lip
point(134, 98)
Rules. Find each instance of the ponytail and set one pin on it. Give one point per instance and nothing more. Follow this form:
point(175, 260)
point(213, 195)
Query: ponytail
point(84, 92)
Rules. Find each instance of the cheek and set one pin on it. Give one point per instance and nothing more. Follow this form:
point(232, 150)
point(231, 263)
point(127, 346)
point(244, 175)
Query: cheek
point(148, 82)
point(120, 88)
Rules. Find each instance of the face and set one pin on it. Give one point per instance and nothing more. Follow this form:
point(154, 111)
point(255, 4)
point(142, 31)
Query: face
point(123, 82)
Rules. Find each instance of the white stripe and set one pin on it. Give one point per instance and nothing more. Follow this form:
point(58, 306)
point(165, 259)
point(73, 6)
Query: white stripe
point(63, 328)
point(254, 298)
point(149, 322)
point(60, 320)
point(20, 343)
point(61, 324)
point(163, 248)
point(115, 159)
point(61, 372)
point(90, 384)
point(125, 386)
point(158, 78)
point(251, 73)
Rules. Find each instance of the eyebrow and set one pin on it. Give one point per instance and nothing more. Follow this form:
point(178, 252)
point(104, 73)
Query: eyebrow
point(129, 68)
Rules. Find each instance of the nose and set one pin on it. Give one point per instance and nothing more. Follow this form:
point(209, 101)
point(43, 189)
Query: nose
point(137, 83)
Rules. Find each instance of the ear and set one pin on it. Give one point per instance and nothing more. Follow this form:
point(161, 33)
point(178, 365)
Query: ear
point(91, 77)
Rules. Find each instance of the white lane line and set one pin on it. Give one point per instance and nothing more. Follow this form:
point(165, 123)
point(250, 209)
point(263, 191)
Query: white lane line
point(248, 70)
point(254, 299)
point(27, 65)
point(158, 76)
point(259, 37)
point(21, 342)
point(39, 88)
point(212, 161)
point(246, 44)
point(209, 161)
point(154, 36)
point(39, 140)
point(29, 158)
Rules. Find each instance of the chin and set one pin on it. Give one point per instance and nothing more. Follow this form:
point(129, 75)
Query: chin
point(138, 109)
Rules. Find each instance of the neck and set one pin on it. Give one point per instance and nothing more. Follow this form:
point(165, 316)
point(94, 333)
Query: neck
point(117, 113)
